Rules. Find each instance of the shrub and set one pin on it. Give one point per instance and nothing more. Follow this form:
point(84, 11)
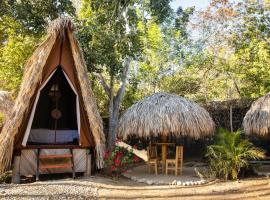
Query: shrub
point(6, 177)
point(118, 160)
point(230, 153)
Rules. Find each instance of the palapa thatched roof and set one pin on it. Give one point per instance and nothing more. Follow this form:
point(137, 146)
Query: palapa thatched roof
point(257, 119)
point(32, 78)
point(162, 114)
point(6, 103)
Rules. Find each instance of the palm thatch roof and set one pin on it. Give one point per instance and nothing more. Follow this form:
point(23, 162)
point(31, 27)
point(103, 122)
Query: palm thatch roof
point(32, 77)
point(6, 103)
point(164, 114)
point(257, 119)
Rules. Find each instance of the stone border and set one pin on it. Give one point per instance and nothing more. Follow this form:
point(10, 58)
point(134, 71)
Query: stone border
point(174, 182)
point(260, 173)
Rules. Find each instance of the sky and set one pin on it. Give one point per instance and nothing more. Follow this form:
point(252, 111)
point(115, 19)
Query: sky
point(199, 4)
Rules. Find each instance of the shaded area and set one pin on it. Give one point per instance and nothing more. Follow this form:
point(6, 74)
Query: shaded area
point(65, 99)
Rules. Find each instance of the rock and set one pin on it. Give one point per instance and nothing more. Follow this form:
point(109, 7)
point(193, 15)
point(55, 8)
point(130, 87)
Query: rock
point(161, 182)
point(142, 180)
point(133, 178)
point(179, 183)
point(127, 175)
point(149, 182)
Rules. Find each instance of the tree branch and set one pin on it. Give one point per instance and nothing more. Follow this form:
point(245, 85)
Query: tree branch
point(235, 83)
point(121, 90)
point(103, 83)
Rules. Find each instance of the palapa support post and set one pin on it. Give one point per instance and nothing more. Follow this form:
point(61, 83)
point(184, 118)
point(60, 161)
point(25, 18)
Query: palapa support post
point(164, 152)
point(16, 177)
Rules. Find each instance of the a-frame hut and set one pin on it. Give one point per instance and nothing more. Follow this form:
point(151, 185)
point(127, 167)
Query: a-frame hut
point(55, 114)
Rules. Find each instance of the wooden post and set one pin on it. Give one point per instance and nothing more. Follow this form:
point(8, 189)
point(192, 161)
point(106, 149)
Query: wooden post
point(164, 152)
point(231, 121)
point(16, 177)
point(37, 172)
point(88, 171)
point(163, 138)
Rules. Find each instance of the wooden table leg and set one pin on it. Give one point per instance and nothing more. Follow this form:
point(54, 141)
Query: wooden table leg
point(164, 156)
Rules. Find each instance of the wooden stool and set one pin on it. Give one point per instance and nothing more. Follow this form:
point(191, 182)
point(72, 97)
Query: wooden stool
point(152, 158)
point(177, 163)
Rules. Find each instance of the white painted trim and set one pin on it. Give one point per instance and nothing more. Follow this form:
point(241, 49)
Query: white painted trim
point(77, 103)
point(29, 125)
point(27, 132)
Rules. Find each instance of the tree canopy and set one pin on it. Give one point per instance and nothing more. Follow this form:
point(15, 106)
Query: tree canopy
point(134, 48)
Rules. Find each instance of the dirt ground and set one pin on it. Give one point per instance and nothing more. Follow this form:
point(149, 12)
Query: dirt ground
point(105, 188)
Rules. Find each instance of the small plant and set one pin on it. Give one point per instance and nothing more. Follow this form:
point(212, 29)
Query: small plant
point(230, 153)
point(6, 177)
point(118, 160)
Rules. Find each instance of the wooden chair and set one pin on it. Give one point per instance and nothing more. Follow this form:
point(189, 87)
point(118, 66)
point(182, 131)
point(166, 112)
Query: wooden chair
point(152, 158)
point(175, 164)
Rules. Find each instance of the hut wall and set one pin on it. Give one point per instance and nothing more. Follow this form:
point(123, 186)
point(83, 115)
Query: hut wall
point(28, 161)
point(220, 112)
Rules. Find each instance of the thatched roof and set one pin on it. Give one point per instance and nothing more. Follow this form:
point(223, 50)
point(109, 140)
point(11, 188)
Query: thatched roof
point(162, 114)
point(6, 103)
point(257, 119)
point(32, 78)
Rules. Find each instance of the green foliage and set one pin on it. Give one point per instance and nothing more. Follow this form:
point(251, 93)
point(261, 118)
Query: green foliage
point(1, 119)
point(22, 25)
point(219, 53)
point(104, 36)
point(230, 153)
point(6, 177)
point(160, 9)
point(12, 59)
point(35, 15)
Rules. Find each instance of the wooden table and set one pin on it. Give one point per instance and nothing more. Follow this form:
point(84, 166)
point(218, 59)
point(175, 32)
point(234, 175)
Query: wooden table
point(164, 152)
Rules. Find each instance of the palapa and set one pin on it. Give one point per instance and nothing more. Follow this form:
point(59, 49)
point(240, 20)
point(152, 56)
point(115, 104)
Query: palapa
point(164, 114)
point(257, 119)
point(59, 29)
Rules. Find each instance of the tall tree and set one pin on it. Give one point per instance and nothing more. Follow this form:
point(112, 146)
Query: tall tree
point(111, 42)
point(109, 38)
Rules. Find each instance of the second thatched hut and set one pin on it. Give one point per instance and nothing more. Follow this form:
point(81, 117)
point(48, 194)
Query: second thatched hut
point(162, 114)
point(257, 119)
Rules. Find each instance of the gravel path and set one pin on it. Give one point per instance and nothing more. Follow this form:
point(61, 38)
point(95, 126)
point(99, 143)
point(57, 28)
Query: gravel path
point(104, 188)
point(42, 191)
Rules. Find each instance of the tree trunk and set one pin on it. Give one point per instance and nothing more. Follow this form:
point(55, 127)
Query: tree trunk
point(111, 133)
point(113, 124)
point(115, 102)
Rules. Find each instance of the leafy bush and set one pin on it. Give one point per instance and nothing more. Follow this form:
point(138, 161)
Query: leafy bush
point(230, 153)
point(118, 160)
point(6, 177)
